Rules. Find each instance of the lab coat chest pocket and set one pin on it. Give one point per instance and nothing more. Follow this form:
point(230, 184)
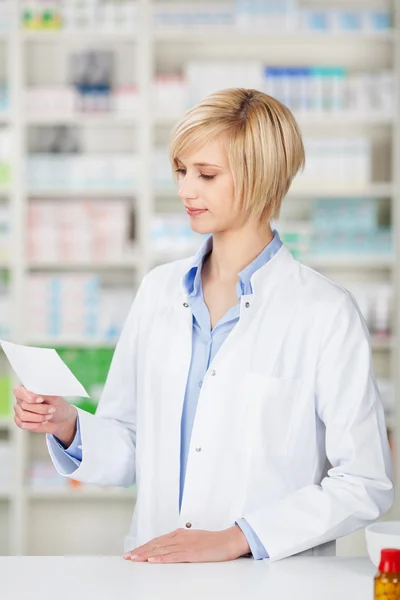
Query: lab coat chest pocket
point(270, 414)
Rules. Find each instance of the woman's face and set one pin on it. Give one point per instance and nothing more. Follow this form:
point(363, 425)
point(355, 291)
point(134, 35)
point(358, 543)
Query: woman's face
point(207, 191)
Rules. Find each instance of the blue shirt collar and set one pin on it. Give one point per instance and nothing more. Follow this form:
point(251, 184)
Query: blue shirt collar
point(192, 279)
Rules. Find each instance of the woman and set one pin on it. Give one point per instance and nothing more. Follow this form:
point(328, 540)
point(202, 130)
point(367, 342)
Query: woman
point(241, 396)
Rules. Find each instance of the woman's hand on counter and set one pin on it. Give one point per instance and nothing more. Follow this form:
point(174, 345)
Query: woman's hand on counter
point(44, 414)
point(194, 545)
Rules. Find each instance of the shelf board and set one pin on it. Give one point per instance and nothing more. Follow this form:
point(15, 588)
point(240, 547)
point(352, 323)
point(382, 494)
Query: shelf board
point(378, 343)
point(349, 262)
point(78, 36)
point(391, 421)
point(311, 118)
point(78, 494)
point(72, 343)
point(81, 193)
point(126, 264)
point(235, 35)
point(85, 120)
point(6, 423)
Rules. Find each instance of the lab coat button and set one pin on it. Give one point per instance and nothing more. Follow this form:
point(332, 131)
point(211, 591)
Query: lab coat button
point(212, 373)
point(188, 525)
point(186, 305)
point(247, 304)
point(198, 449)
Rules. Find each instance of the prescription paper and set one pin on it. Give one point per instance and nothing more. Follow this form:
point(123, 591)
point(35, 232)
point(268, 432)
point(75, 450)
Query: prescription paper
point(42, 371)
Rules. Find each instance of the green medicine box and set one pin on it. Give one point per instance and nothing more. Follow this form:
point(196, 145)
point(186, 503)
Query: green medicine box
point(5, 396)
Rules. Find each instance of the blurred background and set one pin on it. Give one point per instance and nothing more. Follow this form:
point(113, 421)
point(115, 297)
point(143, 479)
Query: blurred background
point(89, 92)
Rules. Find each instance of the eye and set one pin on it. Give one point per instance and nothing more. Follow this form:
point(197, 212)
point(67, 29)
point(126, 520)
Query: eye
point(181, 171)
point(207, 177)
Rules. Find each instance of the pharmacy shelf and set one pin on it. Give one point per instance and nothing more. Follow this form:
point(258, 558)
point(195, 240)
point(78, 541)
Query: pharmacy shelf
point(78, 36)
point(6, 496)
point(85, 120)
point(229, 36)
point(79, 494)
point(168, 47)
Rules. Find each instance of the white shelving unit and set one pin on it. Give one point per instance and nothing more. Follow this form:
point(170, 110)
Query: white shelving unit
point(42, 521)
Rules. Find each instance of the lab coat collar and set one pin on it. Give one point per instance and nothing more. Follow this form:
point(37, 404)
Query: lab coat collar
point(192, 278)
point(262, 280)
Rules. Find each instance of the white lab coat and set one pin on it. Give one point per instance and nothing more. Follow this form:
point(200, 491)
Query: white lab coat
point(290, 430)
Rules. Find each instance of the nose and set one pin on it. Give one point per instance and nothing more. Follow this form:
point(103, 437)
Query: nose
point(187, 188)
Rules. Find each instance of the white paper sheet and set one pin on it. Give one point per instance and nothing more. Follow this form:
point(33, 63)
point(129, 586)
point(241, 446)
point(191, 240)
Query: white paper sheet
point(42, 371)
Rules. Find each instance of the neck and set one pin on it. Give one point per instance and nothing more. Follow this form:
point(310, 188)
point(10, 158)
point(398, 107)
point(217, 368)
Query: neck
point(233, 250)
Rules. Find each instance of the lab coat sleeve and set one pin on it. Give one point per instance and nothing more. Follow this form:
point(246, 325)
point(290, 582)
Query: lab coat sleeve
point(358, 489)
point(109, 436)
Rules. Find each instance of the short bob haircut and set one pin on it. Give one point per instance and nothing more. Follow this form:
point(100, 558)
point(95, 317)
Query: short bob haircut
point(262, 140)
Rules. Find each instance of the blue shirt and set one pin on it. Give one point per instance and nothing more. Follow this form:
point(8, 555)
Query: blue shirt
point(205, 345)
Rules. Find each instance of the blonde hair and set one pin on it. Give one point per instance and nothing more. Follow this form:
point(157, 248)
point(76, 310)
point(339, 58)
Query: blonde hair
point(262, 140)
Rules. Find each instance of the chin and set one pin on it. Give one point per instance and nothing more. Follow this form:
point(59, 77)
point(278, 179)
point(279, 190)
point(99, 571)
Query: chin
point(204, 229)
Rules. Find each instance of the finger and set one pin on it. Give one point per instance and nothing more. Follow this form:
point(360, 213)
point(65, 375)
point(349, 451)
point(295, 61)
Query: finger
point(30, 417)
point(27, 426)
point(163, 540)
point(22, 393)
point(156, 552)
point(40, 409)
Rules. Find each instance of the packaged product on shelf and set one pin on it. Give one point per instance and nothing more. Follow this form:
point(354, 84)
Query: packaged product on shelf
point(92, 72)
point(183, 15)
point(82, 171)
point(170, 97)
point(42, 474)
point(6, 149)
point(267, 15)
point(51, 100)
point(5, 232)
point(296, 235)
point(5, 395)
point(206, 76)
point(171, 233)
point(4, 98)
point(125, 100)
point(39, 15)
point(6, 15)
point(382, 311)
point(91, 367)
point(75, 307)
point(337, 161)
point(5, 304)
point(387, 393)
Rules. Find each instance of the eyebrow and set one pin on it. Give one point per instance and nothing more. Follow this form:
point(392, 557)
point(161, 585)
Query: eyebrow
point(202, 164)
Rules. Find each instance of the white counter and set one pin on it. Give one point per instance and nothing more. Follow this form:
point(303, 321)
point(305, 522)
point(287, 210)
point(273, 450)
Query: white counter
point(110, 578)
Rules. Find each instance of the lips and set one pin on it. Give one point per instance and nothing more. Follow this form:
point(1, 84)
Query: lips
point(193, 212)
